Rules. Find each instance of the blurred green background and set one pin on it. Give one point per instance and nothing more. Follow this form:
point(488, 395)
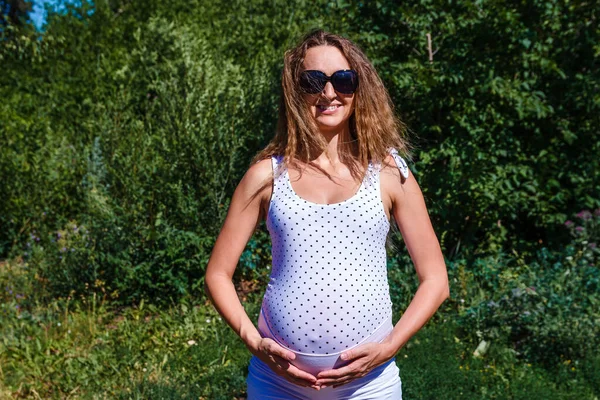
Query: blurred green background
point(125, 126)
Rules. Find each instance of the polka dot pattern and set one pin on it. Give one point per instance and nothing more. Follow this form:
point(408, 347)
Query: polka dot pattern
point(328, 288)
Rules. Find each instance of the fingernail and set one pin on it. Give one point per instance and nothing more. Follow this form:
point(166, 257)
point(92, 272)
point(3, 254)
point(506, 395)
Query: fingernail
point(343, 356)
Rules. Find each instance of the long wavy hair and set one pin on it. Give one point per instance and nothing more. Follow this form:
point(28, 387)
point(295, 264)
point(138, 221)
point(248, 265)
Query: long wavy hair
point(374, 127)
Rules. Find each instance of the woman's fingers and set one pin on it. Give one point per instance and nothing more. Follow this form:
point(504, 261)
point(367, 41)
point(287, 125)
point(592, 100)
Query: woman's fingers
point(271, 347)
point(296, 375)
point(299, 374)
point(338, 373)
point(278, 358)
point(342, 375)
point(292, 374)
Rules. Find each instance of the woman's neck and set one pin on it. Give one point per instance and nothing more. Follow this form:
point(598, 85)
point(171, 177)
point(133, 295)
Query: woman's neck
point(337, 141)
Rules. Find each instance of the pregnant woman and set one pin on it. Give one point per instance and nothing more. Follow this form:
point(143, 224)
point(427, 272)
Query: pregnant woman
point(327, 186)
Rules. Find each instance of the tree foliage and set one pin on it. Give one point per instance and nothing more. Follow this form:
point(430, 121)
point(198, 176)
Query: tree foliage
point(134, 120)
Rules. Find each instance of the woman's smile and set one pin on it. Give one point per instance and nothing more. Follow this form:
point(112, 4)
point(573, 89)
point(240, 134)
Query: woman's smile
point(328, 109)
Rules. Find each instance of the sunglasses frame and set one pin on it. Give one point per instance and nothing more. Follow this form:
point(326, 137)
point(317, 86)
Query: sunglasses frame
point(323, 79)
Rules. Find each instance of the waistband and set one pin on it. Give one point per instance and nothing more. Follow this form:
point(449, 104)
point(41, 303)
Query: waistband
point(315, 363)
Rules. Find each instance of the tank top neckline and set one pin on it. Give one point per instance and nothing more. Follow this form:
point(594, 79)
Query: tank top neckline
point(349, 200)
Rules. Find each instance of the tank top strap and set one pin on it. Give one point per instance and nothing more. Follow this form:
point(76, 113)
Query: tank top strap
point(277, 164)
point(402, 166)
point(371, 180)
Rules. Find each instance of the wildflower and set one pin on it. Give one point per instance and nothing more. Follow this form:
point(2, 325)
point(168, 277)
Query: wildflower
point(569, 223)
point(58, 235)
point(592, 245)
point(63, 249)
point(19, 296)
point(517, 292)
point(208, 320)
point(579, 229)
point(526, 313)
point(492, 303)
point(584, 214)
point(191, 342)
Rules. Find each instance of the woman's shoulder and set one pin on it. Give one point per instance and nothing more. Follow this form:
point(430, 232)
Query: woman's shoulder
point(394, 164)
point(255, 185)
point(260, 171)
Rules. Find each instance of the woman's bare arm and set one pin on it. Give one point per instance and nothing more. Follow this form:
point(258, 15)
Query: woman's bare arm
point(410, 212)
point(239, 225)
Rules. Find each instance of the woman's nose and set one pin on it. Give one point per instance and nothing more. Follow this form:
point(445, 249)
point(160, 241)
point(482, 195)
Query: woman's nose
point(328, 91)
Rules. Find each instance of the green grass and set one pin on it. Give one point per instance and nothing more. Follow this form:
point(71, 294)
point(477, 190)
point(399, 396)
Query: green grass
point(91, 350)
point(437, 365)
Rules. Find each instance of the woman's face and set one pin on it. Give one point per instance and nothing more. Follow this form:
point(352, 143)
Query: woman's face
point(331, 109)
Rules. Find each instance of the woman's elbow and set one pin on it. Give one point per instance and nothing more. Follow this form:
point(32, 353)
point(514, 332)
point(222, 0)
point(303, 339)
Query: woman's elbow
point(205, 286)
point(445, 290)
point(209, 284)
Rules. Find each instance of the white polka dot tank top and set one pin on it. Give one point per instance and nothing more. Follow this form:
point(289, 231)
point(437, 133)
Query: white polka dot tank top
point(328, 288)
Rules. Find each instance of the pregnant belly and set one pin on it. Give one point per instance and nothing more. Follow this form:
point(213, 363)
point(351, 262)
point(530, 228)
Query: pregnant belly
point(323, 318)
point(313, 362)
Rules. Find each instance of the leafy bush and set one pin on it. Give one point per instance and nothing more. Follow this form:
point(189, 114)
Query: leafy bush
point(137, 119)
point(546, 309)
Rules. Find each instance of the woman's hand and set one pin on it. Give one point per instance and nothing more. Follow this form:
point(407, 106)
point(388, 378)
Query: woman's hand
point(364, 358)
point(279, 360)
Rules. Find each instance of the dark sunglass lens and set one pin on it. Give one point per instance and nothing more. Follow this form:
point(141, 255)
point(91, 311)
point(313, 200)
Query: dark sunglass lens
point(345, 81)
point(312, 82)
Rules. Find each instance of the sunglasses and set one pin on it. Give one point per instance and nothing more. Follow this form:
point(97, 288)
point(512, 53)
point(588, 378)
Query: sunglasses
point(344, 81)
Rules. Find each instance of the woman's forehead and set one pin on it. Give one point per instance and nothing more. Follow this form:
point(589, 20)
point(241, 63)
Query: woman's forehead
point(325, 58)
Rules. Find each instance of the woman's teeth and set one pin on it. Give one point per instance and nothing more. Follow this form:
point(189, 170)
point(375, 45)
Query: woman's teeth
point(327, 108)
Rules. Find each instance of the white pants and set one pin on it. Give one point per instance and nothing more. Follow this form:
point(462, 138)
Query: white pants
point(382, 383)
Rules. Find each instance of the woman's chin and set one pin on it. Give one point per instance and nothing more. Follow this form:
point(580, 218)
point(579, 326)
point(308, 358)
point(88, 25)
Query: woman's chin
point(331, 127)
point(329, 121)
